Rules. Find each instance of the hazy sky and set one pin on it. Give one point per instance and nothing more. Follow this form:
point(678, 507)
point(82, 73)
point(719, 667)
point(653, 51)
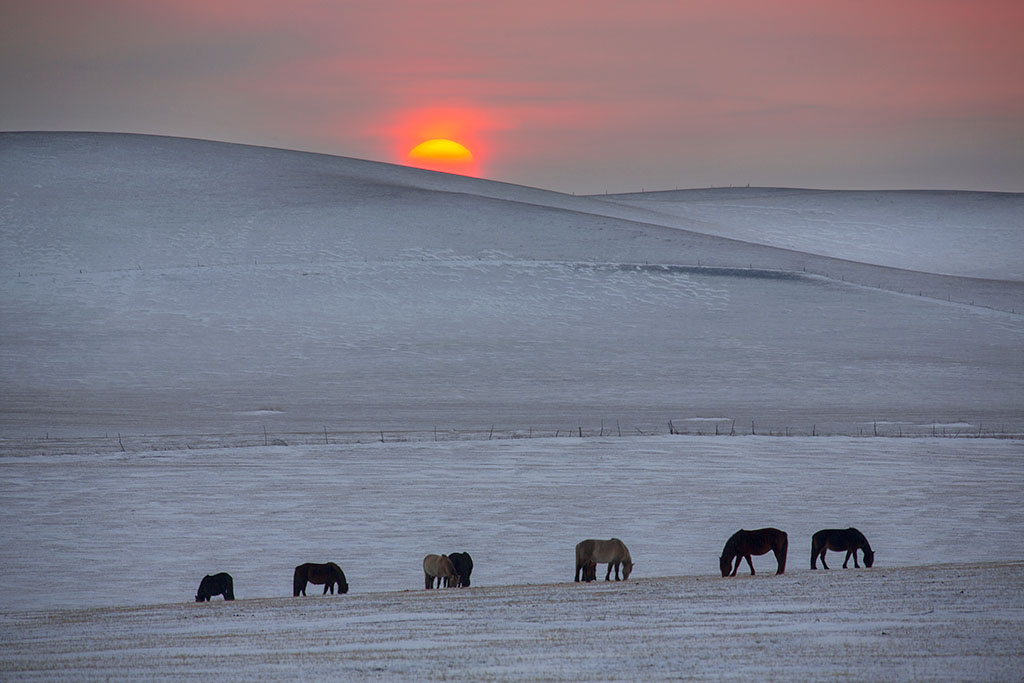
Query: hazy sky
point(572, 95)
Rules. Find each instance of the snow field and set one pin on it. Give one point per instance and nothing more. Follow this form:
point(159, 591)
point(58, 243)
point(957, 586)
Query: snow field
point(377, 509)
point(942, 601)
point(948, 622)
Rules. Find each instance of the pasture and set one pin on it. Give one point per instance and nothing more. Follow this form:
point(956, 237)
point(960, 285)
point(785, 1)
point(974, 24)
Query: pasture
point(943, 599)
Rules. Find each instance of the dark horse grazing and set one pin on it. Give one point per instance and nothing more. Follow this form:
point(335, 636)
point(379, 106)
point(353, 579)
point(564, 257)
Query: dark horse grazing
point(329, 574)
point(216, 584)
point(849, 540)
point(463, 564)
point(742, 544)
point(592, 551)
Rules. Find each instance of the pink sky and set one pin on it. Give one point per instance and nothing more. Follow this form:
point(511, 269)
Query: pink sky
point(567, 95)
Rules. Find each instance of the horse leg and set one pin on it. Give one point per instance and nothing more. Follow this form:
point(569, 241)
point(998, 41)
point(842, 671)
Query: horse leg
point(854, 553)
point(750, 562)
point(823, 550)
point(847, 560)
point(617, 572)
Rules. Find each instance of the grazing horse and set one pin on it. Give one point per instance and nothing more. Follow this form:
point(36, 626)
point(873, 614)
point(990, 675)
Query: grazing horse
point(742, 544)
point(329, 574)
point(216, 584)
point(441, 568)
point(592, 551)
point(463, 564)
point(849, 540)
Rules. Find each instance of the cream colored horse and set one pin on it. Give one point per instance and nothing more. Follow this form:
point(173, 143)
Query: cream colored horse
point(439, 567)
point(612, 551)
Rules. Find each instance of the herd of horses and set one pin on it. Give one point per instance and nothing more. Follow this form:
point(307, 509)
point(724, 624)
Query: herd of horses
point(453, 570)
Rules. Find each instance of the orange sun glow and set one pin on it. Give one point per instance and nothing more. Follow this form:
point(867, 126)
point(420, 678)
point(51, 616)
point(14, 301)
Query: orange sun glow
point(442, 154)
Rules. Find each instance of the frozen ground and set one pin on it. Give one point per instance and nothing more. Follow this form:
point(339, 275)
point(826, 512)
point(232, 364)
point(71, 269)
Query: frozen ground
point(169, 303)
point(124, 540)
point(945, 622)
point(377, 509)
point(205, 292)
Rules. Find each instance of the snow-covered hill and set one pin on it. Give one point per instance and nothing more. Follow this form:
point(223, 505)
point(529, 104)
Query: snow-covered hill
point(166, 286)
point(971, 234)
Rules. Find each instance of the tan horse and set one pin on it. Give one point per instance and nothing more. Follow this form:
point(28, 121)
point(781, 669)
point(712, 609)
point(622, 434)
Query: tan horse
point(592, 551)
point(742, 544)
point(441, 568)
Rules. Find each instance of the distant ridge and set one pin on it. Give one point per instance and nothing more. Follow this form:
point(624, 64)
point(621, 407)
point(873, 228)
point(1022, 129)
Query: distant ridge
point(228, 185)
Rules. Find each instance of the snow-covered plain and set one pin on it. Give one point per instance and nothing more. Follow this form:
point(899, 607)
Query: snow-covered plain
point(169, 306)
point(117, 532)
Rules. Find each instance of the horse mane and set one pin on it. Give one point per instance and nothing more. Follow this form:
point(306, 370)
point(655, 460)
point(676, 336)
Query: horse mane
point(862, 539)
point(730, 545)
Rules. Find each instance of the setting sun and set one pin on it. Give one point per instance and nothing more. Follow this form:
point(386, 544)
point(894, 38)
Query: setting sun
point(440, 149)
point(442, 154)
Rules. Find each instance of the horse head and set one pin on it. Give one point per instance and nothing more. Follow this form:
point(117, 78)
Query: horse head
point(869, 557)
point(339, 578)
point(725, 565)
point(627, 568)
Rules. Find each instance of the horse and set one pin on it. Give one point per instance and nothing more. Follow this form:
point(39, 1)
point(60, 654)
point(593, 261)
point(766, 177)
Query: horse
point(592, 551)
point(463, 564)
point(329, 574)
point(441, 568)
point(851, 540)
point(743, 544)
point(216, 584)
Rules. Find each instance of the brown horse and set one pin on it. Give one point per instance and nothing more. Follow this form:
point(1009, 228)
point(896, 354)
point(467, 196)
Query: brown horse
point(592, 551)
point(742, 544)
point(329, 574)
point(850, 540)
point(441, 568)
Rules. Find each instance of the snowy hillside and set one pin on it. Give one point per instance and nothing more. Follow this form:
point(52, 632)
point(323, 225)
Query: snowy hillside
point(973, 234)
point(225, 358)
point(159, 286)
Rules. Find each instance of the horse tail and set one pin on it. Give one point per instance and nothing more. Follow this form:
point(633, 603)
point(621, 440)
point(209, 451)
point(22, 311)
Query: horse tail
point(298, 581)
point(783, 549)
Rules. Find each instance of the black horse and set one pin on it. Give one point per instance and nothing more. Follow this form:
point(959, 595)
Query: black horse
point(216, 584)
point(742, 544)
point(849, 540)
point(328, 574)
point(463, 566)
